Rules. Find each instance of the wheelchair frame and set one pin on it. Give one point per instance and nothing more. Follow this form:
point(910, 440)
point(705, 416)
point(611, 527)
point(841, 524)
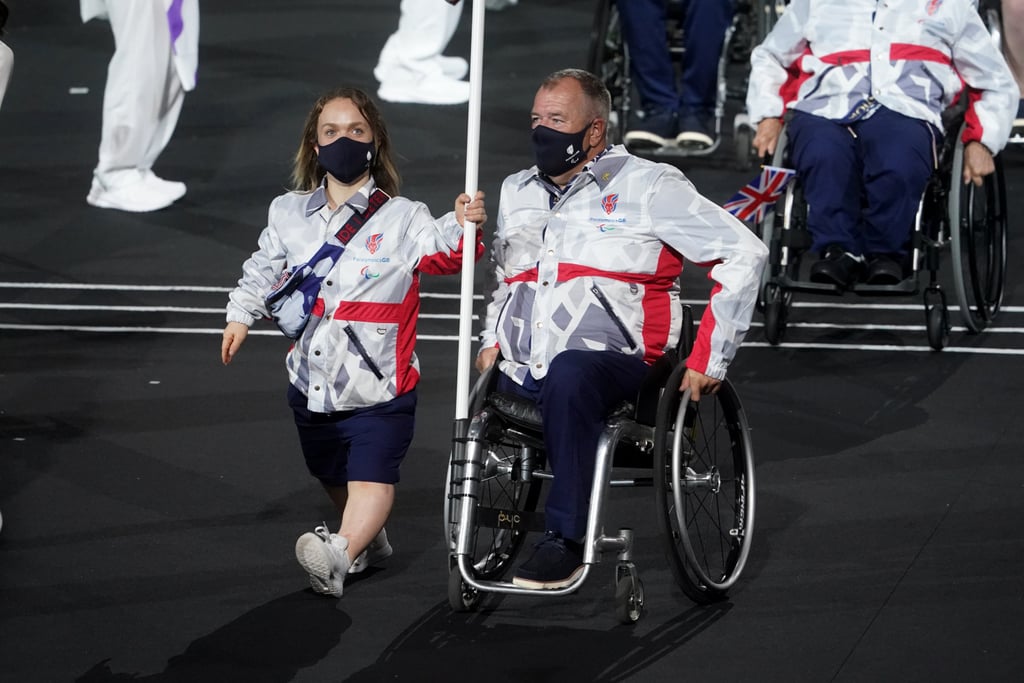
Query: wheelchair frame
point(705, 496)
point(968, 221)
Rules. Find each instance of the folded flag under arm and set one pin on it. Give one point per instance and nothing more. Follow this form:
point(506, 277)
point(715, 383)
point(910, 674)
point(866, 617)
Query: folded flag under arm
point(751, 202)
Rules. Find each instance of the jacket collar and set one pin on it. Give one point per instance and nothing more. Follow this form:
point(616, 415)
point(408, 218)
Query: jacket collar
point(357, 202)
point(602, 168)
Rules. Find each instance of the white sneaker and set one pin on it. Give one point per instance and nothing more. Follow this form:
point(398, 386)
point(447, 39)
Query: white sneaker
point(324, 556)
point(455, 68)
point(378, 550)
point(136, 196)
point(427, 91)
point(171, 188)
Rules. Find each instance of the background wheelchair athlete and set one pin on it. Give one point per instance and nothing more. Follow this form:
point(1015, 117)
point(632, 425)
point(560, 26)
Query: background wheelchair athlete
point(865, 131)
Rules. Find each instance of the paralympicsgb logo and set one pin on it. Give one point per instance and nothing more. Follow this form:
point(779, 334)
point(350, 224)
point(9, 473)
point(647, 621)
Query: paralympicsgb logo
point(609, 202)
point(373, 242)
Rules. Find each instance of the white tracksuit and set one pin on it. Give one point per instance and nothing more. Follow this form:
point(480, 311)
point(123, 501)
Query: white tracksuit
point(6, 65)
point(424, 29)
point(154, 64)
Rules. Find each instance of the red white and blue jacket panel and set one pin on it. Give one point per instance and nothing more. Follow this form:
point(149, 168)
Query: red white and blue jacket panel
point(915, 57)
point(358, 348)
point(599, 268)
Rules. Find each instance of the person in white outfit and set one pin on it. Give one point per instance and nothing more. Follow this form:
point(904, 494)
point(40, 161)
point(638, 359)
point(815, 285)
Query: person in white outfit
point(6, 64)
point(411, 67)
point(154, 64)
point(6, 56)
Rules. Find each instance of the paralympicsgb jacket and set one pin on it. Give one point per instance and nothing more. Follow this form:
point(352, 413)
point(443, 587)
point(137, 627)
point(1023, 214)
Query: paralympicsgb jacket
point(911, 56)
point(358, 348)
point(598, 269)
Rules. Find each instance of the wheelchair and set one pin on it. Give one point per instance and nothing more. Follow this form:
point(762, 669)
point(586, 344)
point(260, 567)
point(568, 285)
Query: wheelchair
point(967, 221)
point(700, 462)
point(608, 59)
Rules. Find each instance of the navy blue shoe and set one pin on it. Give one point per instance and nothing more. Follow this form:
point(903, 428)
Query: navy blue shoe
point(555, 563)
point(884, 269)
point(838, 267)
point(695, 131)
point(651, 130)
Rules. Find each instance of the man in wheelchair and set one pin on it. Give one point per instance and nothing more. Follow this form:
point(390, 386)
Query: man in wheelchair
point(589, 246)
point(866, 84)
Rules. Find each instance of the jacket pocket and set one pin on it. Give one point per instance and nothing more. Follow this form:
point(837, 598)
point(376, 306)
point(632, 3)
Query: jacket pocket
point(607, 306)
point(374, 368)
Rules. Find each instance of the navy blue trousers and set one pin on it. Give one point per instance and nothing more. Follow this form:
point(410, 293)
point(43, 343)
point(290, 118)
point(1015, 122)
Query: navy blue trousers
point(704, 27)
point(579, 391)
point(863, 181)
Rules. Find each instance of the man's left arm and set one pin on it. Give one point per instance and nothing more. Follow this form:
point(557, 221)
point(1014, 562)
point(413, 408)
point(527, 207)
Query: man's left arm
point(991, 91)
point(707, 235)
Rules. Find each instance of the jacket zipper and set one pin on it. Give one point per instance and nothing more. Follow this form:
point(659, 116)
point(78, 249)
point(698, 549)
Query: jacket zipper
point(611, 313)
point(362, 351)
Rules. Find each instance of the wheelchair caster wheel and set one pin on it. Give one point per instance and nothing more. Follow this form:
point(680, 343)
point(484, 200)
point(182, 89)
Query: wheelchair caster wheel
point(744, 141)
point(629, 598)
point(461, 598)
point(936, 318)
point(775, 311)
point(938, 327)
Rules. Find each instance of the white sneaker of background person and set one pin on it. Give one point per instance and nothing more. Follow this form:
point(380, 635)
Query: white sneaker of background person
point(454, 68)
point(411, 67)
point(436, 90)
point(134, 190)
point(324, 556)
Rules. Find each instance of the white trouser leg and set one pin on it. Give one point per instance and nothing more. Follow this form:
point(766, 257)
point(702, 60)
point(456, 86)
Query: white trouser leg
point(139, 107)
point(167, 119)
point(413, 52)
point(6, 66)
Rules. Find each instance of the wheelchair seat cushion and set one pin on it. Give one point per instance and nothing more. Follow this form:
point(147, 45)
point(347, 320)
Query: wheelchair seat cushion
point(516, 409)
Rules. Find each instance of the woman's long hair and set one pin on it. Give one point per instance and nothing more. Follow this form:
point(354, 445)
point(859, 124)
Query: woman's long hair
point(307, 174)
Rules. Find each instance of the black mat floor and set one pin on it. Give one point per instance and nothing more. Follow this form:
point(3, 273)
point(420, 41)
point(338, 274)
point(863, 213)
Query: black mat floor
point(151, 498)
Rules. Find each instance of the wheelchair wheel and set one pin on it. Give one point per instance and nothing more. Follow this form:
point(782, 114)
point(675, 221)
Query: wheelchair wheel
point(937, 325)
point(607, 60)
point(743, 139)
point(629, 595)
point(504, 496)
point(776, 310)
point(704, 488)
point(461, 597)
point(978, 243)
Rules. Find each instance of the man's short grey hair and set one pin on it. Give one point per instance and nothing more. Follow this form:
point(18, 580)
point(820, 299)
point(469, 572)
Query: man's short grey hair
point(592, 86)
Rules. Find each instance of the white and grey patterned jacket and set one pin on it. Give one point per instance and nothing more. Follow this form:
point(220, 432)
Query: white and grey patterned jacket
point(357, 349)
point(911, 56)
point(598, 270)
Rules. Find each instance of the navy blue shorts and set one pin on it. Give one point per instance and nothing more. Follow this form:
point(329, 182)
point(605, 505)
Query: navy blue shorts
point(365, 444)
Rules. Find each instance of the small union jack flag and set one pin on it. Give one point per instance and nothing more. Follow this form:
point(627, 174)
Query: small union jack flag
point(760, 193)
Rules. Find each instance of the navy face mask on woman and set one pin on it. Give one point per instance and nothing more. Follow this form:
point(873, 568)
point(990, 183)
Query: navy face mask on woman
point(557, 152)
point(346, 159)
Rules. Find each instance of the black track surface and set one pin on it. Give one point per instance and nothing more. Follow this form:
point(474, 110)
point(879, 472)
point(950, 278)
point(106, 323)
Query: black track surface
point(151, 498)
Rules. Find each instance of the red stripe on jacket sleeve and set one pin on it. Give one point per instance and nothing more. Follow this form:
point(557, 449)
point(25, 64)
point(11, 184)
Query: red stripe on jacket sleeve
point(701, 353)
point(450, 262)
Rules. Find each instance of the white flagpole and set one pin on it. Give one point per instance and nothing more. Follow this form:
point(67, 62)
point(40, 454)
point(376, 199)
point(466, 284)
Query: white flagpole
point(476, 62)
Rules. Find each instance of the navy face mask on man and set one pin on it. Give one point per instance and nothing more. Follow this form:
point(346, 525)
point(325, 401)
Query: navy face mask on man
point(346, 159)
point(558, 152)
